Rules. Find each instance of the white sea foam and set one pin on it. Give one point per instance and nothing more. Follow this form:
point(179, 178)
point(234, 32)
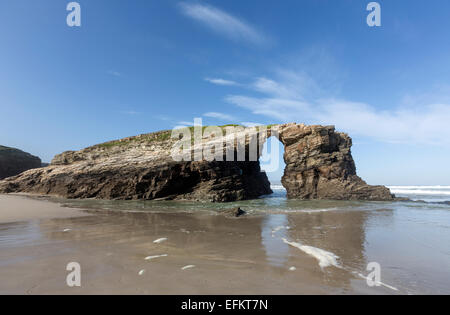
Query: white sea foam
point(277, 187)
point(155, 256)
point(160, 240)
point(324, 257)
point(318, 210)
point(420, 192)
point(187, 267)
point(419, 187)
point(308, 211)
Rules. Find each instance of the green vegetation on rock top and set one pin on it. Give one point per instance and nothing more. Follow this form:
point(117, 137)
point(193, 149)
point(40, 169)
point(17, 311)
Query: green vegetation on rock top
point(154, 137)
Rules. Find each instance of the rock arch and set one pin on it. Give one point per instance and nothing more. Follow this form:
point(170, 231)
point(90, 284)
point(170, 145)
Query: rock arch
point(319, 165)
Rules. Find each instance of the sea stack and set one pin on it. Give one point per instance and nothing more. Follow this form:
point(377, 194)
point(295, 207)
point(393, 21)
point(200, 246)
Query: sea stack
point(319, 165)
point(318, 160)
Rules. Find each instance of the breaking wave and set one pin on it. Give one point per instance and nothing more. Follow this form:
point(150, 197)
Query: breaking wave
point(425, 193)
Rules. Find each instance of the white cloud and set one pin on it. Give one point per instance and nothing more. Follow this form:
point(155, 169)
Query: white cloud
point(222, 22)
point(278, 108)
point(221, 116)
point(185, 123)
point(224, 82)
point(405, 123)
point(114, 73)
point(293, 85)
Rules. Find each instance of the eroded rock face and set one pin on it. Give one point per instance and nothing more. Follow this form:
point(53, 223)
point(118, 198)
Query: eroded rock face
point(318, 160)
point(319, 165)
point(141, 168)
point(14, 161)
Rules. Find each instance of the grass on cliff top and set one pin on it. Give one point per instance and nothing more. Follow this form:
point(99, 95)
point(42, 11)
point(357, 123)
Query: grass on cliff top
point(159, 136)
point(155, 137)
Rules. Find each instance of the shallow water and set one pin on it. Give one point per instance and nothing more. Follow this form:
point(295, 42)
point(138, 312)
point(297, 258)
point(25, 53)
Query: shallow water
point(282, 247)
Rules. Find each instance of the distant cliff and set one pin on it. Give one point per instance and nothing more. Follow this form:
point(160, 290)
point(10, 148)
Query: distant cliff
point(14, 162)
point(318, 161)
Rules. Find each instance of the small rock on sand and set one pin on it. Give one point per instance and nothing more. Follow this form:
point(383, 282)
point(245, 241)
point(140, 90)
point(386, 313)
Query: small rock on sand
point(235, 212)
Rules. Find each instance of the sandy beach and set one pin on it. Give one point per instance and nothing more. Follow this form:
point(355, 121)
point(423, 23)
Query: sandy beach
point(194, 254)
point(16, 208)
point(201, 252)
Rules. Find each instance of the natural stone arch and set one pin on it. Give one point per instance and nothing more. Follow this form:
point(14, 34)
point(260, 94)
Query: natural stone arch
point(319, 165)
point(318, 161)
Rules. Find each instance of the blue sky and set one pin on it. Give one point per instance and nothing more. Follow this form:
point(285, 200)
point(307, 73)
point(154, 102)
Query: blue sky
point(140, 66)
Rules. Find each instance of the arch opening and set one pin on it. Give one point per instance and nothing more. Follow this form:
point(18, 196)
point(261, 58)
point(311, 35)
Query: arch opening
point(272, 162)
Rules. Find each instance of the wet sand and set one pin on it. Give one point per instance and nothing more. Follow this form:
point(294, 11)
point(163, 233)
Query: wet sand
point(195, 254)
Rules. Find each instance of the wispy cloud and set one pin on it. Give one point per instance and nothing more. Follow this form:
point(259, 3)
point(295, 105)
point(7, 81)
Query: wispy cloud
point(185, 123)
point(281, 100)
point(221, 116)
point(222, 22)
point(278, 108)
point(224, 82)
point(114, 73)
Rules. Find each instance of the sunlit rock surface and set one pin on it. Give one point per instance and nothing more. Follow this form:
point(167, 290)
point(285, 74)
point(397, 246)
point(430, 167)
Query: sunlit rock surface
point(318, 160)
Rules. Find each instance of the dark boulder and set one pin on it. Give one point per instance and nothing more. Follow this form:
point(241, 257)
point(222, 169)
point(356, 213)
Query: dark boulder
point(235, 212)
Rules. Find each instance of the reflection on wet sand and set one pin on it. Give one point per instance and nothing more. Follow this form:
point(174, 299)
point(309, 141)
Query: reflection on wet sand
point(239, 256)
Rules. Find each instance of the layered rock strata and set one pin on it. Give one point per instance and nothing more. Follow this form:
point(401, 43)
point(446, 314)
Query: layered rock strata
point(318, 160)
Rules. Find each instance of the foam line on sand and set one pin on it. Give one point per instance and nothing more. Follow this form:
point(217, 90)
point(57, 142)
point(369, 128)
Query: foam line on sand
point(324, 257)
point(160, 240)
point(155, 256)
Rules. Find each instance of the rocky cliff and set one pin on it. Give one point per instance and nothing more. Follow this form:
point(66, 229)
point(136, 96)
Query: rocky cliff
point(318, 160)
point(14, 161)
